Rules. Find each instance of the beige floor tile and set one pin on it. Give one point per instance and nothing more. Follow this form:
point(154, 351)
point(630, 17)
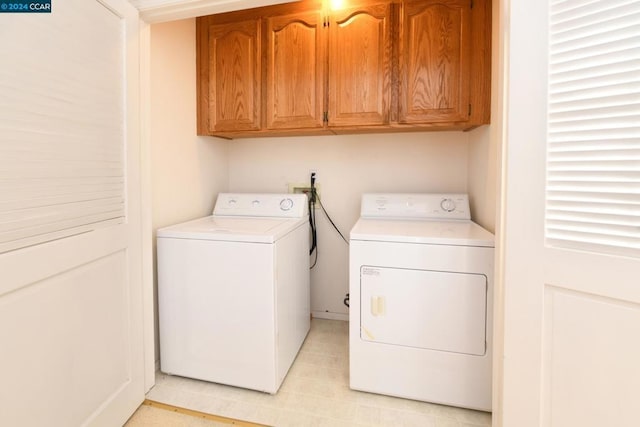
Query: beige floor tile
point(298, 419)
point(473, 417)
point(447, 422)
point(315, 393)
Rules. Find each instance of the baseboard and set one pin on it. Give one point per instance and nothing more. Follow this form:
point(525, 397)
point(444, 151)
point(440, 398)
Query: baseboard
point(329, 315)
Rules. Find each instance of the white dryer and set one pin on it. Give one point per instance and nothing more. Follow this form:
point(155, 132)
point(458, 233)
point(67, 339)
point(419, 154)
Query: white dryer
point(421, 290)
point(233, 291)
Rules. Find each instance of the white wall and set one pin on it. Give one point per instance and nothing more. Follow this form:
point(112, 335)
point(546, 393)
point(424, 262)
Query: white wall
point(348, 166)
point(187, 171)
point(482, 169)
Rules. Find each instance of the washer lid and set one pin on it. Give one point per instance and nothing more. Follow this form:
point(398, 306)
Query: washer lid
point(233, 229)
point(454, 233)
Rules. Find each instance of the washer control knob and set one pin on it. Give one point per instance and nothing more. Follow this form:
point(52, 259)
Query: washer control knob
point(232, 202)
point(255, 203)
point(286, 204)
point(448, 205)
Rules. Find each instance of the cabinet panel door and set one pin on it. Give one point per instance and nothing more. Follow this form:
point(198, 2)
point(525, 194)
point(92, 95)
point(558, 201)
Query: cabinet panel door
point(295, 71)
point(434, 61)
point(360, 66)
point(234, 76)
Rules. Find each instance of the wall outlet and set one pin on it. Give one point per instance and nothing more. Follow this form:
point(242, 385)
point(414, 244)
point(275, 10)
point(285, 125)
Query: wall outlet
point(303, 188)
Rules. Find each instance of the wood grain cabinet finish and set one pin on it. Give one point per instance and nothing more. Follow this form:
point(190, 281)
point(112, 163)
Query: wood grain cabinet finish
point(295, 71)
point(360, 66)
point(230, 68)
point(374, 66)
point(434, 61)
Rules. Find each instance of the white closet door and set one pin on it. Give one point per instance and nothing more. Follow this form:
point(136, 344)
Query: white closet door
point(70, 248)
point(570, 227)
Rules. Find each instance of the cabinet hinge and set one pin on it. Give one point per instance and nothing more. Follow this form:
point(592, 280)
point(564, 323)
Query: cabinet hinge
point(325, 117)
point(469, 109)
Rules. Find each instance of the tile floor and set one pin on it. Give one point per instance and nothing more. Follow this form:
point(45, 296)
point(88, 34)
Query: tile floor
point(314, 393)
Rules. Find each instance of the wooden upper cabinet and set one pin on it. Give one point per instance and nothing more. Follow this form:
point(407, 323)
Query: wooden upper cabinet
point(295, 71)
point(434, 61)
point(360, 66)
point(302, 69)
point(229, 79)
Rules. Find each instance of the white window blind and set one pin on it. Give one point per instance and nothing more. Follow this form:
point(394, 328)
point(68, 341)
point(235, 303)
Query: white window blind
point(61, 131)
point(593, 155)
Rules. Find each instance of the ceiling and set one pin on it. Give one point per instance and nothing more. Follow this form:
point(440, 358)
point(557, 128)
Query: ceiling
point(154, 11)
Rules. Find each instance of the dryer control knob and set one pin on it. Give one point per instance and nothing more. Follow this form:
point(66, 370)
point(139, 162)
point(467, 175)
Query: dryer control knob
point(448, 205)
point(286, 204)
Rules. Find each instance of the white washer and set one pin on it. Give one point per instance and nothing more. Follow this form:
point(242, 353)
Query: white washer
point(421, 290)
point(233, 291)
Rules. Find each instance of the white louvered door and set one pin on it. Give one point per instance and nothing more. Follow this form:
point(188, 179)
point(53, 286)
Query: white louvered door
point(593, 156)
point(571, 215)
point(71, 344)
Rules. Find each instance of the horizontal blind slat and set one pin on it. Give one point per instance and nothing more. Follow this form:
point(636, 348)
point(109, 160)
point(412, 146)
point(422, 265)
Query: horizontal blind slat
point(594, 94)
point(593, 145)
point(626, 133)
point(37, 239)
point(51, 227)
point(594, 198)
point(594, 155)
point(594, 165)
point(41, 214)
point(613, 39)
point(582, 115)
point(581, 210)
point(51, 200)
point(594, 185)
point(582, 80)
point(595, 21)
point(590, 241)
point(574, 105)
point(567, 9)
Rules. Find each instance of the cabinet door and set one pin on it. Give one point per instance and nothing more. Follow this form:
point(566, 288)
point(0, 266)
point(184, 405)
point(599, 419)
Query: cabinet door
point(434, 52)
point(295, 75)
point(360, 66)
point(234, 76)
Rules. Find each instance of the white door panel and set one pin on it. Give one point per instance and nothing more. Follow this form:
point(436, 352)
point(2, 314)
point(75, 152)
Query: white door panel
point(591, 351)
point(69, 335)
point(71, 308)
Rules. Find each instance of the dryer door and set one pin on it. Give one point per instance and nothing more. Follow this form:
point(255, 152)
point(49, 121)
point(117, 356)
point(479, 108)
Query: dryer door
point(434, 310)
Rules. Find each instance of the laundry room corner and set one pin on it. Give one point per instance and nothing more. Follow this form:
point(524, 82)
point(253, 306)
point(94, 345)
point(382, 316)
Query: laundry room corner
point(482, 181)
point(187, 171)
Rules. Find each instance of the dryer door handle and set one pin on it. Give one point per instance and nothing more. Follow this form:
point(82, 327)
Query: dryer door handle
point(378, 305)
